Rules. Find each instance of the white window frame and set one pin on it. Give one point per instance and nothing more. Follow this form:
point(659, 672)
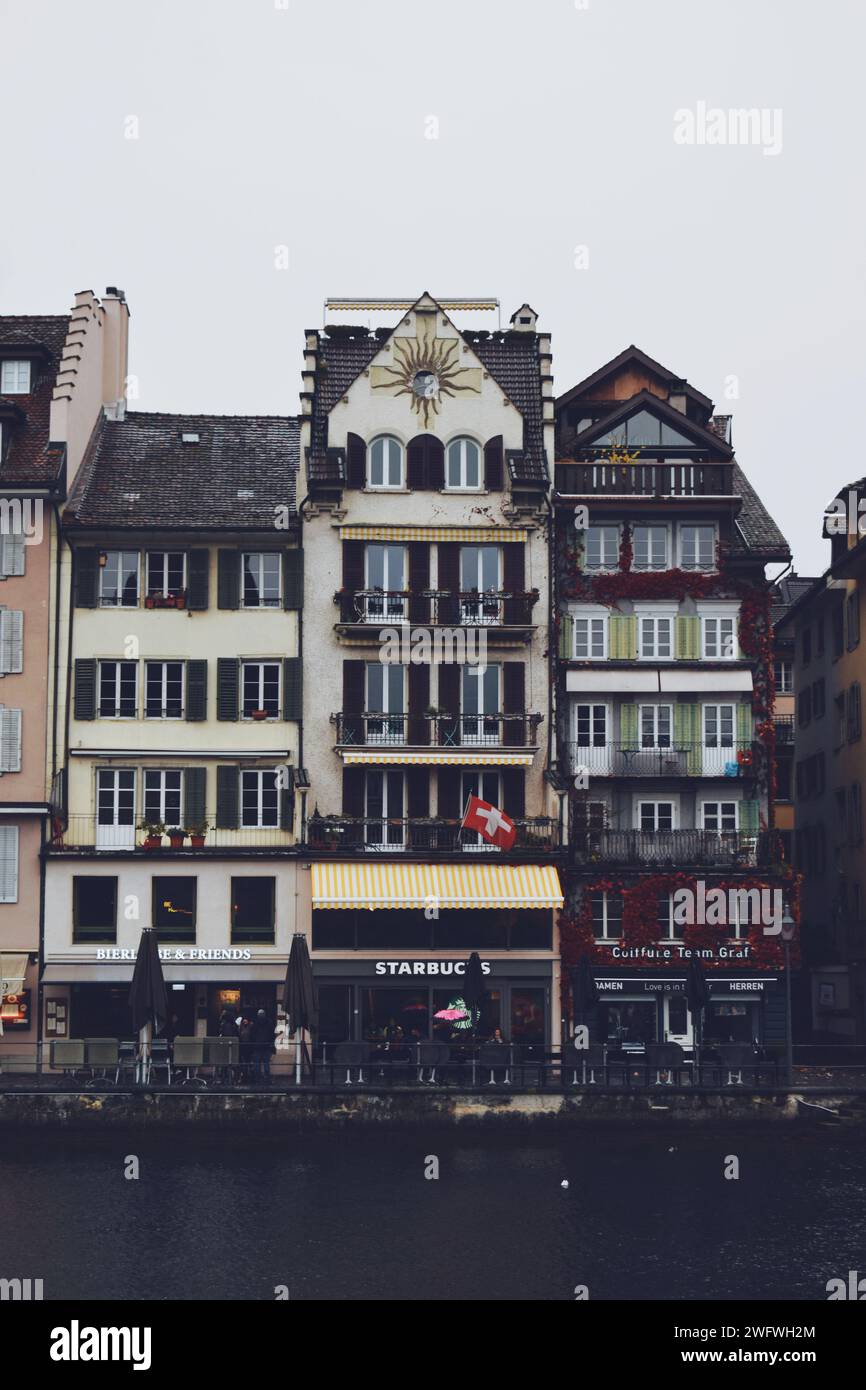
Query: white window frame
point(164, 587)
point(481, 733)
point(654, 707)
point(391, 605)
point(718, 706)
point(696, 526)
point(259, 823)
point(592, 617)
point(171, 661)
point(718, 613)
point(117, 684)
point(460, 444)
point(119, 603)
point(656, 615)
point(266, 603)
point(393, 836)
point(594, 756)
point(260, 665)
point(401, 460)
point(9, 863)
point(718, 803)
point(383, 729)
point(656, 801)
point(486, 612)
point(651, 526)
point(603, 567)
point(786, 687)
point(162, 792)
point(14, 371)
point(606, 917)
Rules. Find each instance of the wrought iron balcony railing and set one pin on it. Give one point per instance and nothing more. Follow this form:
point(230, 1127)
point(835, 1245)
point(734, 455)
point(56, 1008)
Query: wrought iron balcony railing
point(679, 759)
point(341, 834)
point(784, 724)
point(677, 848)
point(437, 607)
point(382, 730)
point(92, 833)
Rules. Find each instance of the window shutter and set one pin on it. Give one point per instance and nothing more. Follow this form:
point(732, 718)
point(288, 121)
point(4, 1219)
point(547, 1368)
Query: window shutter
point(419, 699)
point(8, 864)
point(688, 735)
point(293, 579)
point(435, 463)
point(514, 575)
point(228, 687)
point(566, 637)
point(514, 696)
point(356, 462)
point(194, 796)
point(623, 637)
point(196, 691)
point(85, 565)
point(228, 798)
point(287, 802)
point(514, 792)
point(448, 559)
point(292, 688)
point(12, 551)
point(353, 791)
point(750, 817)
point(628, 725)
point(11, 641)
point(84, 699)
point(353, 687)
point(418, 792)
point(448, 794)
point(415, 459)
point(745, 722)
point(493, 464)
point(449, 688)
point(419, 580)
point(228, 579)
point(10, 740)
point(353, 566)
point(687, 637)
point(197, 580)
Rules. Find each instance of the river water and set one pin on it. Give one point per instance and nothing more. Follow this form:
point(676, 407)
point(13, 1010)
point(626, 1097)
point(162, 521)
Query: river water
point(352, 1216)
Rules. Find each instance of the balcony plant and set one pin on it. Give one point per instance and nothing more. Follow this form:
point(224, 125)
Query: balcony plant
point(153, 831)
point(258, 714)
point(176, 836)
point(197, 832)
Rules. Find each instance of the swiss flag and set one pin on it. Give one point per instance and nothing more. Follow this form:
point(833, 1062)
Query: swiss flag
point(491, 823)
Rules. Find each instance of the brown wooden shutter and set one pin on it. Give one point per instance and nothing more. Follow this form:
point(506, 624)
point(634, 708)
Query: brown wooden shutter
point(449, 701)
point(418, 792)
point(419, 580)
point(356, 461)
point(354, 691)
point(353, 565)
point(435, 463)
point(493, 464)
point(419, 699)
point(448, 794)
point(514, 700)
point(514, 578)
point(353, 791)
point(449, 581)
point(514, 792)
point(415, 459)
point(425, 463)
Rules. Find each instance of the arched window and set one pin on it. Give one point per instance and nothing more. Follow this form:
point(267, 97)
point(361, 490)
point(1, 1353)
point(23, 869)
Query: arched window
point(385, 462)
point(463, 465)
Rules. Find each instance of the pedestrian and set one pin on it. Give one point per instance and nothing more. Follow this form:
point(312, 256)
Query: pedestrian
point(262, 1039)
point(246, 1047)
point(226, 1027)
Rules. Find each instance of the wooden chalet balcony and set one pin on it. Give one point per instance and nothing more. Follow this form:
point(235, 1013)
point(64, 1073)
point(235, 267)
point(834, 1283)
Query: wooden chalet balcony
point(669, 479)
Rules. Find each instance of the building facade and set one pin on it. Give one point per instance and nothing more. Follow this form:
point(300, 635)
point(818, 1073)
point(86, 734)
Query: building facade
point(664, 710)
point(425, 525)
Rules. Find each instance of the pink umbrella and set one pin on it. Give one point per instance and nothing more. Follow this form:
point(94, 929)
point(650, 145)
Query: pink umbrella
point(451, 1014)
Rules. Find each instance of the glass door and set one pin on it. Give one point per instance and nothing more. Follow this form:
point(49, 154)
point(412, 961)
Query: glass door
point(718, 739)
point(591, 749)
point(480, 573)
point(385, 597)
point(385, 697)
point(480, 711)
point(115, 808)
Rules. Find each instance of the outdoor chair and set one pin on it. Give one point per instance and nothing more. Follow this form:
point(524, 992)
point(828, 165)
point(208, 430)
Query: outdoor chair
point(223, 1055)
point(102, 1055)
point(530, 1064)
point(189, 1058)
point(431, 1055)
point(587, 1061)
point(495, 1058)
point(67, 1054)
point(664, 1057)
point(735, 1059)
point(160, 1059)
point(127, 1053)
point(351, 1055)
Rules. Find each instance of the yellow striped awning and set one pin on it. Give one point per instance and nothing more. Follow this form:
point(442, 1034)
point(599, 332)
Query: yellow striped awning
point(469, 534)
point(372, 885)
point(457, 759)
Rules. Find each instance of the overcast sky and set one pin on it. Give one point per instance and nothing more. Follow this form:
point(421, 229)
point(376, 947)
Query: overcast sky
point(270, 123)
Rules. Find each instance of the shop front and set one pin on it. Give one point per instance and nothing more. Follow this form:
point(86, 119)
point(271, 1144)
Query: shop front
point(635, 1009)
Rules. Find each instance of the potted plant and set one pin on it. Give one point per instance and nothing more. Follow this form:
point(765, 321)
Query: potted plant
point(176, 836)
point(150, 601)
point(259, 714)
point(197, 833)
point(180, 600)
point(153, 831)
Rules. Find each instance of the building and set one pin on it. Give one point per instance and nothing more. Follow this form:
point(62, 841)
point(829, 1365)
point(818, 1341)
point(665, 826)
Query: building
point(823, 628)
point(786, 592)
point(57, 374)
point(664, 709)
point(180, 744)
point(425, 455)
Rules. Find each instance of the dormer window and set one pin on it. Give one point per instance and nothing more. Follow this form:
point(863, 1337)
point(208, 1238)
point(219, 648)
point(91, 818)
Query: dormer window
point(15, 377)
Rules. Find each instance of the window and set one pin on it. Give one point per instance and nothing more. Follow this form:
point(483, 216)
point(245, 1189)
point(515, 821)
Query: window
point(601, 547)
point(166, 572)
point(607, 916)
point(650, 546)
point(386, 698)
point(590, 725)
point(253, 909)
point(261, 689)
point(855, 818)
point(655, 815)
point(783, 673)
point(783, 779)
point(118, 579)
point(720, 638)
point(854, 728)
point(718, 726)
point(15, 378)
point(655, 726)
point(590, 816)
point(385, 570)
point(669, 930)
point(463, 465)
point(590, 638)
point(655, 637)
point(11, 641)
point(94, 908)
point(8, 863)
point(819, 631)
point(804, 707)
point(841, 722)
point(384, 806)
point(174, 907)
point(163, 689)
point(644, 429)
point(115, 808)
point(163, 801)
point(385, 463)
point(480, 704)
point(12, 552)
point(719, 815)
point(819, 699)
point(806, 645)
point(697, 547)
point(836, 630)
point(852, 620)
point(487, 786)
point(260, 800)
point(118, 689)
point(261, 572)
point(480, 570)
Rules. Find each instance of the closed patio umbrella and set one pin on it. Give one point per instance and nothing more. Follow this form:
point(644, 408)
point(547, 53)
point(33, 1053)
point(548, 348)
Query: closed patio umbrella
point(300, 999)
point(584, 991)
point(147, 997)
point(697, 995)
point(473, 987)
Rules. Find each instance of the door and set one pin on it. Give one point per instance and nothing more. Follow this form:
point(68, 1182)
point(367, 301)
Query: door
point(385, 826)
point(115, 808)
point(590, 748)
point(480, 571)
point(487, 786)
point(718, 739)
point(385, 697)
point(678, 1020)
point(385, 584)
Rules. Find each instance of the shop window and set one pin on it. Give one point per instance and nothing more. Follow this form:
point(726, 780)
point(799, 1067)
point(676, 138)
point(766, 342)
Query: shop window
point(333, 930)
point(391, 1015)
point(253, 909)
point(335, 1014)
point(406, 931)
point(629, 1022)
point(726, 1022)
point(174, 906)
point(100, 1011)
point(459, 1030)
point(527, 1015)
point(94, 908)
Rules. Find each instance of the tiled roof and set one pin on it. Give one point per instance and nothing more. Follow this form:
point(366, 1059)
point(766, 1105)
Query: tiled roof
point(27, 458)
point(343, 354)
point(759, 531)
point(139, 473)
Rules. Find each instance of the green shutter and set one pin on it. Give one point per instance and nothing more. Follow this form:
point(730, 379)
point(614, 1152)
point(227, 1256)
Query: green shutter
point(197, 575)
point(293, 578)
point(196, 690)
point(566, 636)
point(623, 637)
point(228, 687)
point(228, 579)
point(228, 798)
point(628, 725)
point(688, 638)
point(85, 688)
point(750, 817)
point(194, 796)
point(688, 735)
point(292, 688)
point(86, 566)
point(745, 726)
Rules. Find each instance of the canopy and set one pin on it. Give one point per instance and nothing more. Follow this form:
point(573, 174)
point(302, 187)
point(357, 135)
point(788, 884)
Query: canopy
point(450, 885)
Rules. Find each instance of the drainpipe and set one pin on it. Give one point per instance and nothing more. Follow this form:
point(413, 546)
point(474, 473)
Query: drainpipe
point(303, 793)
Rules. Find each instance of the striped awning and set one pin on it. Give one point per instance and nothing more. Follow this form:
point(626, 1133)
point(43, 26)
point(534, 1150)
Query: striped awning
point(384, 758)
point(372, 885)
point(471, 534)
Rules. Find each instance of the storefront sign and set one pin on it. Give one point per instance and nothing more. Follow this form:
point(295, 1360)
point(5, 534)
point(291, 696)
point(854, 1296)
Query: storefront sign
point(168, 953)
point(426, 967)
point(674, 986)
point(406, 970)
point(679, 952)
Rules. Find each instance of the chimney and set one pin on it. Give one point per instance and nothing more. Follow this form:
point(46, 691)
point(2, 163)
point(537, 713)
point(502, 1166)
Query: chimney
point(677, 396)
point(115, 361)
point(721, 425)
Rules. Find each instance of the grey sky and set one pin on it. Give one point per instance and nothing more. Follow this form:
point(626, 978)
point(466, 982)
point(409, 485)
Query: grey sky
point(305, 126)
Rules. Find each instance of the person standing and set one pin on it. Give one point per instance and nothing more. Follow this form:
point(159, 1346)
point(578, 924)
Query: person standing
point(262, 1039)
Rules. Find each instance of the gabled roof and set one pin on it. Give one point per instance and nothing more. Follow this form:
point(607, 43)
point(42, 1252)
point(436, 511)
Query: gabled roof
point(28, 460)
point(761, 536)
point(645, 400)
point(633, 354)
point(139, 473)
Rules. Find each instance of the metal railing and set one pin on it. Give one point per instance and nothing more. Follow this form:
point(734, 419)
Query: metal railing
point(91, 833)
point(676, 759)
point(461, 608)
point(784, 724)
point(339, 834)
point(716, 848)
point(669, 479)
point(377, 730)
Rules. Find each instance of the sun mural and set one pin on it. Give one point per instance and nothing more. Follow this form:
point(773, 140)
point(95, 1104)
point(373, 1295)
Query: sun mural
point(426, 369)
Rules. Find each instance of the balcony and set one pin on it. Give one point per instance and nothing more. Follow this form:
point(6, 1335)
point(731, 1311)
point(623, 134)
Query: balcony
point(670, 479)
point(687, 759)
point(363, 612)
point(676, 849)
point(371, 835)
point(326, 472)
point(784, 725)
point(471, 731)
point(91, 835)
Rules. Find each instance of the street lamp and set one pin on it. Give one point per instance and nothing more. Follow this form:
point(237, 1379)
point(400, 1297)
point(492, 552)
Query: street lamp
point(788, 929)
